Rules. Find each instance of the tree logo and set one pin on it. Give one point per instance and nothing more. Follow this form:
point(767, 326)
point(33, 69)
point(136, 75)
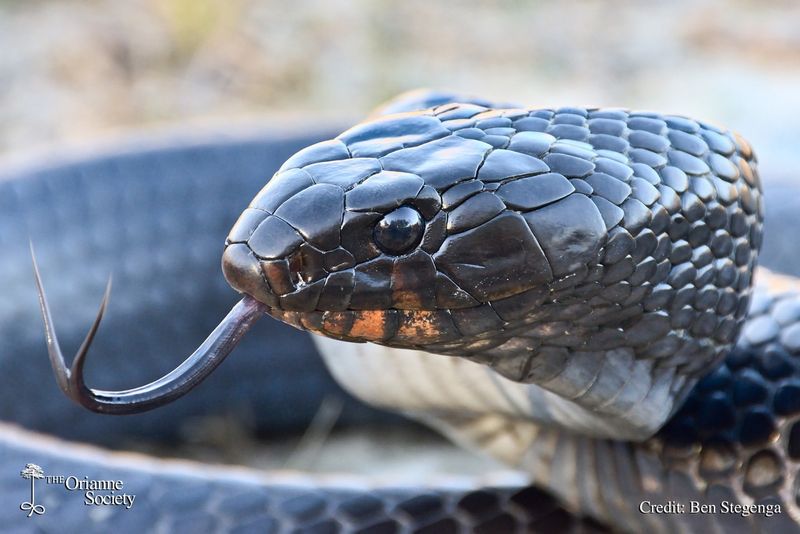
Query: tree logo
point(32, 472)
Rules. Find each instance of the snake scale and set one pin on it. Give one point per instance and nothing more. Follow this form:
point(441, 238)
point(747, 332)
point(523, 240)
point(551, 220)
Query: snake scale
point(589, 268)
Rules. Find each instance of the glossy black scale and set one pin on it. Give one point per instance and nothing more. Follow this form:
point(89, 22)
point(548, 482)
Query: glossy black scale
point(736, 410)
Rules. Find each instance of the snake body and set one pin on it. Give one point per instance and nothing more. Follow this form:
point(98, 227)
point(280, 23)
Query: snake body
point(665, 240)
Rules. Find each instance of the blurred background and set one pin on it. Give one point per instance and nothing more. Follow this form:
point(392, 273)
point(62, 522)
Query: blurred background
point(79, 69)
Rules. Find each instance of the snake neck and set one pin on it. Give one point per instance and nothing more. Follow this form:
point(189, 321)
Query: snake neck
point(628, 367)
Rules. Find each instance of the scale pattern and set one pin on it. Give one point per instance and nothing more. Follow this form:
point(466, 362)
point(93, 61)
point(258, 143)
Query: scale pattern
point(735, 440)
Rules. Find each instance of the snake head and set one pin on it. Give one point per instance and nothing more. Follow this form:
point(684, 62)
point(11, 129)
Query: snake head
point(561, 247)
point(400, 232)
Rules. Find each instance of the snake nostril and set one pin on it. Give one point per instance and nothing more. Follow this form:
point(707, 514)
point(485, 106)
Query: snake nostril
point(306, 265)
point(297, 279)
point(296, 270)
point(399, 231)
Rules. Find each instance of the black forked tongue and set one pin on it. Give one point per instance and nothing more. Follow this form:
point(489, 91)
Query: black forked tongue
point(159, 392)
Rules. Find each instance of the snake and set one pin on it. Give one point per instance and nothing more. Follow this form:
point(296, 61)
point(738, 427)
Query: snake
point(567, 290)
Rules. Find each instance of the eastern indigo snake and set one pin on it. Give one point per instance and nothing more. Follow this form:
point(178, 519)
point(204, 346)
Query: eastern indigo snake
point(590, 267)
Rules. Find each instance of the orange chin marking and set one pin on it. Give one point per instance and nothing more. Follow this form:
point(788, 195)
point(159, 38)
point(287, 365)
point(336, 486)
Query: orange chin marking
point(422, 326)
point(371, 325)
point(413, 327)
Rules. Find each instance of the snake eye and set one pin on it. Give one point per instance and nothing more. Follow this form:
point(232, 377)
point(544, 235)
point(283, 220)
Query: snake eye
point(399, 231)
